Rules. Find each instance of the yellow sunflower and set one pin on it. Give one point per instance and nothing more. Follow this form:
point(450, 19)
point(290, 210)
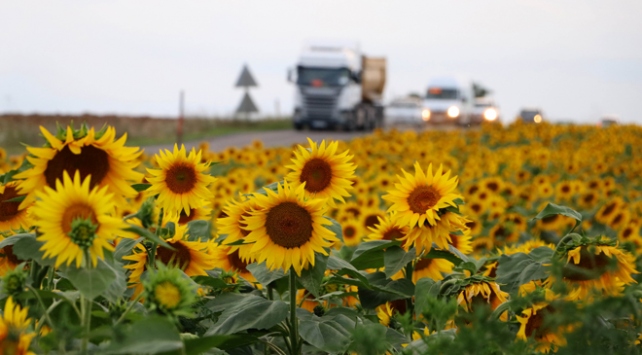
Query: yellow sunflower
point(352, 232)
point(191, 257)
point(325, 173)
point(95, 154)
point(8, 260)
point(439, 233)
point(481, 292)
point(597, 266)
point(388, 228)
point(462, 241)
point(287, 231)
point(417, 198)
point(229, 259)
point(532, 324)
point(181, 182)
point(75, 221)
point(233, 225)
point(431, 268)
point(11, 216)
point(14, 337)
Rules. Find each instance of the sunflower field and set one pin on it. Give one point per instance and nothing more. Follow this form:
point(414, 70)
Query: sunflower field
point(522, 239)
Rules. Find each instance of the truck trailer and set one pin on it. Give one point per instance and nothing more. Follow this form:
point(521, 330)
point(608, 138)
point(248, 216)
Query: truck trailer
point(338, 87)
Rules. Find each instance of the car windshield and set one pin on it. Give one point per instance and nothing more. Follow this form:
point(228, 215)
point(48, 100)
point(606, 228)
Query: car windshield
point(529, 114)
point(322, 76)
point(442, 93)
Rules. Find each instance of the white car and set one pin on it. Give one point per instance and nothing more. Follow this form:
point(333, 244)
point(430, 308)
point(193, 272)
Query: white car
point(484, 111)
point(406, 110)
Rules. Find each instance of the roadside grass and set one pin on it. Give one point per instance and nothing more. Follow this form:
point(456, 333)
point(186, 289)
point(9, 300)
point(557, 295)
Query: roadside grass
point(16, 131)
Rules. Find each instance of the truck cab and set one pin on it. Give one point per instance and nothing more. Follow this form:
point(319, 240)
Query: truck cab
point(447, 100)
point(332, 89)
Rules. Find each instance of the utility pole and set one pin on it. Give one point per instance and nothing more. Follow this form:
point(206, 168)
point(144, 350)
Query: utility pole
point(181, 118)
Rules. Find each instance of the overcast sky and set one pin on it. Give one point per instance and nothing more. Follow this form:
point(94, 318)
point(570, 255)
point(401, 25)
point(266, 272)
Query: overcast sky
point(577, 60)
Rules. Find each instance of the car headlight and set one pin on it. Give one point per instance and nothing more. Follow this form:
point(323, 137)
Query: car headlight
point(453, 111)
point(490, 114)
point(425, 114)
point(537, 118)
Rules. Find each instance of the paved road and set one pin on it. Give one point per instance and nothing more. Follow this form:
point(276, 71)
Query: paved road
point(272, 138)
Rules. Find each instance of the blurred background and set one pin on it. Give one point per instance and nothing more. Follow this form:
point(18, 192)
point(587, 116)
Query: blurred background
point(577, 61)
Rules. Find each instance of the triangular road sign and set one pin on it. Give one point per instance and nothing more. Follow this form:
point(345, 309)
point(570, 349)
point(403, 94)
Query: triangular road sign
point(246, 80)
point(247, 105)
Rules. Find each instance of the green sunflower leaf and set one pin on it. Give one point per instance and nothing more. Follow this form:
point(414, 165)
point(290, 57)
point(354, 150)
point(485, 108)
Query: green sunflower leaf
point(201, 345)
point(370, 255)
point(518, 269)
point(149, 335)
point(245, 311)
point(264, 275)
point(141, 187)
point(384, 290)
point(330, 333)
point(395, 259)
point(553, 209)
point(94, 281)
point(312, 278)
point(148, 235)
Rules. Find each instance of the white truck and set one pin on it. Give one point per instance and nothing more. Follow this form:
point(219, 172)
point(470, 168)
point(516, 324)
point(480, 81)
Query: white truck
point(338, 87)
point(448, 100)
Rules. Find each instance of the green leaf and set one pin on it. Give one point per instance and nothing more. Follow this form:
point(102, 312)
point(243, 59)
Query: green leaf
point(245, 311)
point(125, 247)
point(312, 277)
point(343, 267)
point(15, 238)
point(330, 333)
point(150, 335)
point(369, 255)
point(91, 281)
point(553, 209)
point(424, 289)
point(212, 282)
point(141, 187)
point(263, 274)
point(116, 288)
point(148, 235)
point(201, 345)
point(518, 269)
point(200, 230)
point(395, 259)
point(384, 290)
point(28, 248)
point(443, 254)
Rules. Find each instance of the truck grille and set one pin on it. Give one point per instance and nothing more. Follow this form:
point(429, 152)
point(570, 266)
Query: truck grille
point(319, 103)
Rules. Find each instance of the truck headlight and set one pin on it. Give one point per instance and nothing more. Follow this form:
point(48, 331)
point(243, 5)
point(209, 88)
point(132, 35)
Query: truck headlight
point(490, 114)
point(453, 111)
point(425, 114)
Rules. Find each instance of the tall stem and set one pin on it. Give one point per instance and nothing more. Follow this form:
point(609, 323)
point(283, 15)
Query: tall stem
point(85, 322)
point(151, 257)
point(409, 306)
point(294, 324)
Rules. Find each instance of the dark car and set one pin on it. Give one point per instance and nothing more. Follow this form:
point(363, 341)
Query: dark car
point(531, 115)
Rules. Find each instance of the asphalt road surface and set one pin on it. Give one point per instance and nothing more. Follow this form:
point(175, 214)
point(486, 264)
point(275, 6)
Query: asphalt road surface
point(275, 138)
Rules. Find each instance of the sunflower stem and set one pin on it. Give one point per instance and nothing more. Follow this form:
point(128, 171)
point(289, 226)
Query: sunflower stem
point(409, 270)
point(152, 253)
point(131, 305)
point(294, 331)
point(85, 322)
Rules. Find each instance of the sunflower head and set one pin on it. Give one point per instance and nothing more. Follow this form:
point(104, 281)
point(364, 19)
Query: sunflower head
point(14, 282)
point(418, 198)
point(90, 153)
point(323, 171)
point(76, 222)
point(11, 216)
point(287, 230)
point(13, 329)
point(170, 292)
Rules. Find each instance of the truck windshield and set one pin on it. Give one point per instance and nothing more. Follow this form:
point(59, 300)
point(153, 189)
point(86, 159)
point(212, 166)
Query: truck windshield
point(442, 93)
point(322, 76)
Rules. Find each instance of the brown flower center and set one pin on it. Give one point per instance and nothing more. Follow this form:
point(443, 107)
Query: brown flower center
point(423, 264)
point(492, 186)
point(566, 189)
point(371, 220)
point(236, 262)
point(423, 198)
point(91, 161)
point(184, 218)
point(393, 234)
point(317, 175)
point(8, 253)
point(78, 211)
point(609, 209)
point(181, 178)
point(8, 210)
point(289, 225)
point(349, 232)
point(590, 267)
point(180, 256)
